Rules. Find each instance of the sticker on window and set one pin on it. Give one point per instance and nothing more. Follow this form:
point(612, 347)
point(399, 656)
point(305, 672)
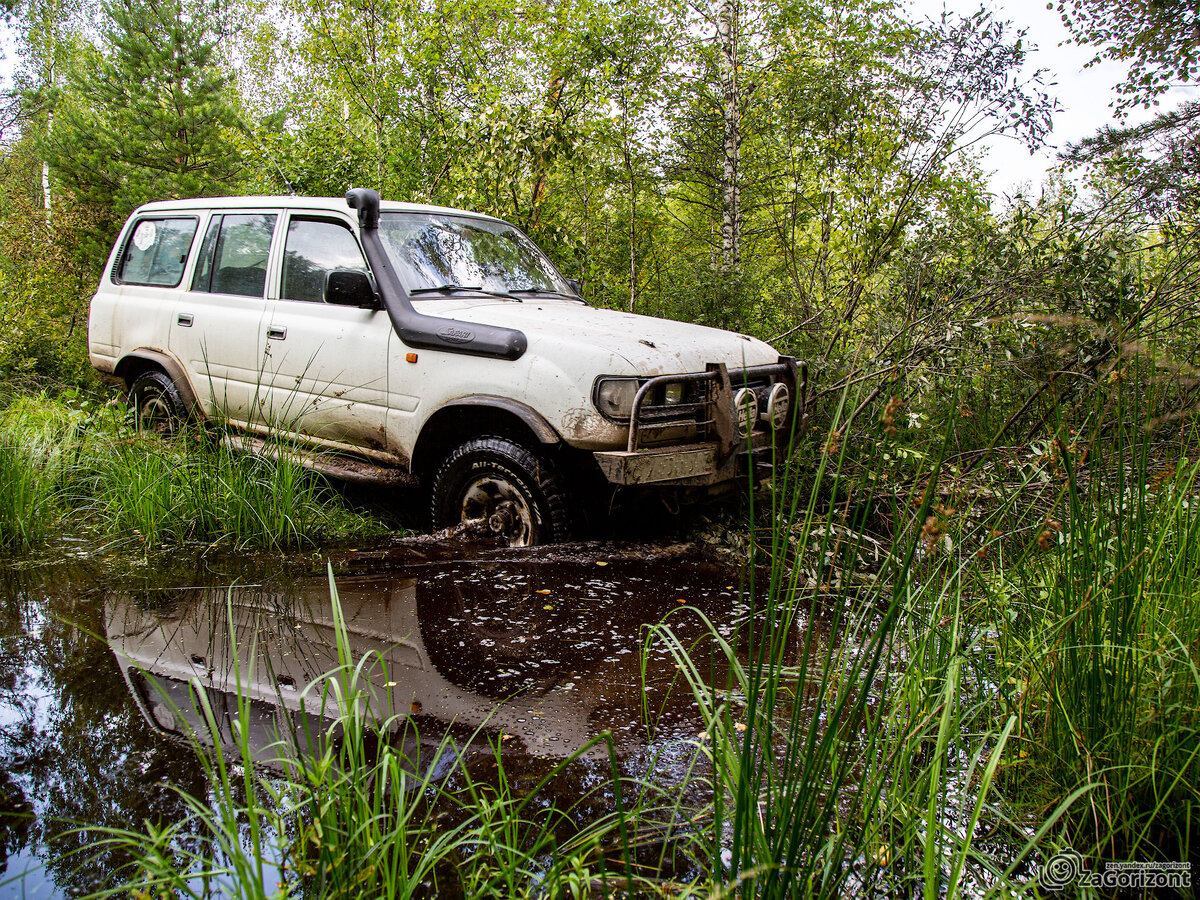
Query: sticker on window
point(144, 236)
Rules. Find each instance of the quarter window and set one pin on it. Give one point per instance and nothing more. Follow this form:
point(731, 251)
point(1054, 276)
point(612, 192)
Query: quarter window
point(156, 252)
point(233, 259)
point(315, 247)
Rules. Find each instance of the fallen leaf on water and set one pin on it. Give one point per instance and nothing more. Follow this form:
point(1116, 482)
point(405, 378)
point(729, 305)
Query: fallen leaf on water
point(542, 592)
point(548, 606)
point(601, 562)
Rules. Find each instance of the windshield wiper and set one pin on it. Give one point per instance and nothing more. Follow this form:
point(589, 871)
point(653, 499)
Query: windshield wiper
point(444, 289)
point(464, 289)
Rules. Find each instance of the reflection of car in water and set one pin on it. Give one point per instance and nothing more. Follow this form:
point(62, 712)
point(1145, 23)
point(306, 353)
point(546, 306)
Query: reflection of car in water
point(473, 647)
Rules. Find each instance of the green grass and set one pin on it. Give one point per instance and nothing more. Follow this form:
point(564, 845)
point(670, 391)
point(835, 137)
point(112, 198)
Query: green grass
point(1102, 654)
point(842, 751)
point(191, 490)
point(353, 816)
point(25, 495)
point(1003, 680)
point(77, 464)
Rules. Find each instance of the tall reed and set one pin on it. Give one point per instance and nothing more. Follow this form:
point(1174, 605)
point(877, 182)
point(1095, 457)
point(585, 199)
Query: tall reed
point(843, 759)
point(1102, 651)
point(344, 807)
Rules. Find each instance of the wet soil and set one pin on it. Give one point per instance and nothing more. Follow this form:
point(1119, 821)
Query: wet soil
point(535, 652)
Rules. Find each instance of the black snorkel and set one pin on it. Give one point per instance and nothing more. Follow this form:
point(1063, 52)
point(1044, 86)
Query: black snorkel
point(414, 328)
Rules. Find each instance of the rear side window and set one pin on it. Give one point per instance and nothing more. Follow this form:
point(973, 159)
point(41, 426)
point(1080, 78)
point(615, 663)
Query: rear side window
point(233, 258)
point(156, 252)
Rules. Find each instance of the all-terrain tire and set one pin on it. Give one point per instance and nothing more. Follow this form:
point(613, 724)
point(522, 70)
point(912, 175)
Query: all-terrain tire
point(514, 492)
point(157, 405)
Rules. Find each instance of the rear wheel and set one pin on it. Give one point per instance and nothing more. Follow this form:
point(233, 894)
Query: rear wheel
point(506, 488)
point(156, 403)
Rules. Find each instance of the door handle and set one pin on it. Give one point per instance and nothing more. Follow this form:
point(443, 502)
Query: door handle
point(184, 319)
point(276, 333)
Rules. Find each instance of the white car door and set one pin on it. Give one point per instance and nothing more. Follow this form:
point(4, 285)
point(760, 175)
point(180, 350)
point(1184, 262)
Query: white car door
point(326, 364)
point(217, 327)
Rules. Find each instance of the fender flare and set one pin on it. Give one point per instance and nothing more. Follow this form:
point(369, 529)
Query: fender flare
point(169, 364)
point(536, 423)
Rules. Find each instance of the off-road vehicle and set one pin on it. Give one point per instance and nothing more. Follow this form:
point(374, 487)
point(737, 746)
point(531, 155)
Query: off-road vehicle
point(394, 340)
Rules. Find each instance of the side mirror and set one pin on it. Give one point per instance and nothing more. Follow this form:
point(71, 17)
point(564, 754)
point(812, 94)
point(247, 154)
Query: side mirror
point(346, 287)
point(576, 285)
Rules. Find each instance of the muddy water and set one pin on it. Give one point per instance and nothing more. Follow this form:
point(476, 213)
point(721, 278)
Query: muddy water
point(537, 652)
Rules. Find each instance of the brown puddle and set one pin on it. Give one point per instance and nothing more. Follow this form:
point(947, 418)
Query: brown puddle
point(538, 652)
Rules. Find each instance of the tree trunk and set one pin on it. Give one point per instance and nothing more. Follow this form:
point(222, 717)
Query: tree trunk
point(731, 204)
point(633, 293)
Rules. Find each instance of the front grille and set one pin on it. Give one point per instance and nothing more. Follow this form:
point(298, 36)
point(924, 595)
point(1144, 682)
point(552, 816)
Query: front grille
point(656, 421)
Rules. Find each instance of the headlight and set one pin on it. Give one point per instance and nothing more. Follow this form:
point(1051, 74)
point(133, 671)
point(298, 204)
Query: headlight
point(614, 397)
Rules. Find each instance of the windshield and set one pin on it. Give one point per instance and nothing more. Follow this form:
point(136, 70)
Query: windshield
point(435, 252)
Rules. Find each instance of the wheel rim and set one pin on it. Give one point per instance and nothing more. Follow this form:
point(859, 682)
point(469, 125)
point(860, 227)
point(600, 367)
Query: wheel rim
point(502, 507)
point(154, 412)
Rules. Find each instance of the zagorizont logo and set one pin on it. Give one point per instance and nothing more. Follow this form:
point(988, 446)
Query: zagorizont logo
point(1066, 869)
point(1061, 870)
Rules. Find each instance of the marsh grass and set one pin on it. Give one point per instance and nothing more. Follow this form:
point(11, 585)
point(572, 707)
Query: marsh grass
point(346, 807)
point(937, 724)
point(199, 490)
point(39, 445)
point(25, 495)
point(1101, 653)
point(84, 464)
point(846, 753)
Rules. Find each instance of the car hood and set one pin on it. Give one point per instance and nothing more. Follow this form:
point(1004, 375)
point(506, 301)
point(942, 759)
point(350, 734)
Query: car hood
point(650, 346)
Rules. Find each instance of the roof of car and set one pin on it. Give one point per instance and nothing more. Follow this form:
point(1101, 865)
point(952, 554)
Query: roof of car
point(316, 203)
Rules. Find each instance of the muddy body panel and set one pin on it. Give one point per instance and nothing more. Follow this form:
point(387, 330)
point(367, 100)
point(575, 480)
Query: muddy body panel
point(230, 297)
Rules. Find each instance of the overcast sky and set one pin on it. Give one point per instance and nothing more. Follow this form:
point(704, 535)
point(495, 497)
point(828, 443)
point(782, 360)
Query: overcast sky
point(1084, 95)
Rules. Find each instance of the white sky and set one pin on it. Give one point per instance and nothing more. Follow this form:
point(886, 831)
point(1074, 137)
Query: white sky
point(1084, 95)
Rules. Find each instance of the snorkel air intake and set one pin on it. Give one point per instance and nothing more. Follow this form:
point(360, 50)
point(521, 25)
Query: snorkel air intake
point(414, 328)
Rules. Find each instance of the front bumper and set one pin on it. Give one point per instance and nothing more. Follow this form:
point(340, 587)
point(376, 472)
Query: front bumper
point(721, 453)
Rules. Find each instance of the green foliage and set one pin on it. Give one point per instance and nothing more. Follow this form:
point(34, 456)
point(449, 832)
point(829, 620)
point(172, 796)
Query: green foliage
point(1100, 652)
point(146, 116)
point(44, 283)
point(1157, 40)
point(75, 459)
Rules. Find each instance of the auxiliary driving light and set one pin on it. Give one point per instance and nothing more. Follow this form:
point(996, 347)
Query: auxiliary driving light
point(779, 404)
point(745, 403)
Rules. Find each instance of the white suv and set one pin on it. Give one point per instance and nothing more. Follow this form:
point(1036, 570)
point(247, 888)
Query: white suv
point(394, 340)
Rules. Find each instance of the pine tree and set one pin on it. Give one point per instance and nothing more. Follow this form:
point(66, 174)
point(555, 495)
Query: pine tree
point(151, 116)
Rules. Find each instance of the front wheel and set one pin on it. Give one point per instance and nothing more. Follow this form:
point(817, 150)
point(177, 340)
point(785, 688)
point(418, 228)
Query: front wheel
point(505, 487)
